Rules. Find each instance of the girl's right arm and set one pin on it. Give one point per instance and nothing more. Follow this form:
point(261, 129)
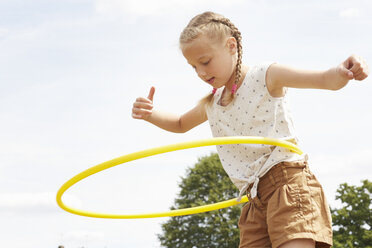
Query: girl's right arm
point(143, 109)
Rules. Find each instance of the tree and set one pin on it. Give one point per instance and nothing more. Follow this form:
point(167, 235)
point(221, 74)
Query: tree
point(205, 183)
point(352, 223)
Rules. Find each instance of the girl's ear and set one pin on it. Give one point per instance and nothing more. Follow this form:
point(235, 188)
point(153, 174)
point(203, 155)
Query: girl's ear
point(231, 45)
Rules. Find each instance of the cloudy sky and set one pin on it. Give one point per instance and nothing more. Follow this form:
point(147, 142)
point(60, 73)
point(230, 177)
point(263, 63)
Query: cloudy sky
point(70, 71)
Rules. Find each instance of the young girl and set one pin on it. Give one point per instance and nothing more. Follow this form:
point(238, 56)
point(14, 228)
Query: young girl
point(287, 207)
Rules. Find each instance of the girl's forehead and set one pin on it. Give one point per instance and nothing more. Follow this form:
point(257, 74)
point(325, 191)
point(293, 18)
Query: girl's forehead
point(200, 47)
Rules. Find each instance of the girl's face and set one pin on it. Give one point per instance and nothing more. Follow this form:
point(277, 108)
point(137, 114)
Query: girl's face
point(213, 61)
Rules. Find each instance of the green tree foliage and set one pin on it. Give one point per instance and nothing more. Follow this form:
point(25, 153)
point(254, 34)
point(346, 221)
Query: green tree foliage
point(352, 223)
point(205, 183)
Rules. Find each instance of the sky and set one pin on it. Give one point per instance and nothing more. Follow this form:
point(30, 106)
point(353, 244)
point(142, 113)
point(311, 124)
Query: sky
point(70, 71)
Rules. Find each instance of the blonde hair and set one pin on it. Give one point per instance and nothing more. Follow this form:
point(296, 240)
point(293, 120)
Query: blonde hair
point(216, 27)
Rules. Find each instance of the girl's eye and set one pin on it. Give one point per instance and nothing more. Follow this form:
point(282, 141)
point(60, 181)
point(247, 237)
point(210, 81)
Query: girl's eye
point(206, 63)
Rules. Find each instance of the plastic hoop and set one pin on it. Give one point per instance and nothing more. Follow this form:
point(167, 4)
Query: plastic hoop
point(164, 149)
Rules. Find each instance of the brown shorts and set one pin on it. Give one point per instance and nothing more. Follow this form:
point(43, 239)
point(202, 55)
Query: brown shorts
point(290, 204)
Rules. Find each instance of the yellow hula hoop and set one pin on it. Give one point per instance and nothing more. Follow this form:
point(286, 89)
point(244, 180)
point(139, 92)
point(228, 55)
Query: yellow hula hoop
point(164, 149)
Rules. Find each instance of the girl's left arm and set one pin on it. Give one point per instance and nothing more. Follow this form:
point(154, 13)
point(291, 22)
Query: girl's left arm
point(278, 77)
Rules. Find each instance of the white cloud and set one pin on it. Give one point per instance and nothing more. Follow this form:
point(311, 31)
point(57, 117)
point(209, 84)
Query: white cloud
point(350, 13)
point(78, 235)
point(333, 170)
point(30, 203)
point(3, 32)
point(148, 7)
point(352, 164)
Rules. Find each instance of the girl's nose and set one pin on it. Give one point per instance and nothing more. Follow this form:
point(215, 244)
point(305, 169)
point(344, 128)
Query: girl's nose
point(201, 73)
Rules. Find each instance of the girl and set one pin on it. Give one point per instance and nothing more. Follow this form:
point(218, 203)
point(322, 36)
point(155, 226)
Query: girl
point(287, 207)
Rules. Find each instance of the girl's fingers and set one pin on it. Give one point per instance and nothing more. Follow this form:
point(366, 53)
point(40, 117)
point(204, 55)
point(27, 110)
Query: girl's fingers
point(143, 99)
point(352, 64)
point(360, 75)
point(151, 94)
point(360, 70)
point(345, 72)
point(141, 112)
point(357, 66)
point(135, 116)
point(142, 105)
point(357, 72)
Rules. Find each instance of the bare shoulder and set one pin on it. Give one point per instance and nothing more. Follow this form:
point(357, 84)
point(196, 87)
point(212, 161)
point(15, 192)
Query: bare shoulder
point(272, 84)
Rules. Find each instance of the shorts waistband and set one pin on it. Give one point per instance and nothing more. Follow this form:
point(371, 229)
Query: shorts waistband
point(279, 174)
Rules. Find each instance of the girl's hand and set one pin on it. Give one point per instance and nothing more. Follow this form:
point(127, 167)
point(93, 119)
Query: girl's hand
point(142, 107)
point(354, 67)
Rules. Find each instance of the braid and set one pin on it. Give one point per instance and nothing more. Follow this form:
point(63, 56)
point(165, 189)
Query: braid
point(238, 37)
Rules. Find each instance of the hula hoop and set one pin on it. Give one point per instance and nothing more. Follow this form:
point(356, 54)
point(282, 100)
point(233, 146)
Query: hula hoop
point(164, 149)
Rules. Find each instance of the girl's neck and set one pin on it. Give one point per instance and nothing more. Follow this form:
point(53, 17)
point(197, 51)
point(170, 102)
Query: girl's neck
point(226, 97)
point(230, 83)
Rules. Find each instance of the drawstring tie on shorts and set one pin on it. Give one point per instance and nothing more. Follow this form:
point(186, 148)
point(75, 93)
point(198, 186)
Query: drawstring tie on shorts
point(252, 179)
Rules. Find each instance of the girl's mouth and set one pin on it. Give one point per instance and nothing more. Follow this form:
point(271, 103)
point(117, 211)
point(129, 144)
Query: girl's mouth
point(211, 81)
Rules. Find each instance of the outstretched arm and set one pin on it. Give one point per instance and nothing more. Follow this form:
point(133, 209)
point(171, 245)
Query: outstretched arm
point(143, 109)
point(278, 77)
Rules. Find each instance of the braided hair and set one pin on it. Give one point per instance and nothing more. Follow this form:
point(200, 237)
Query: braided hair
point(217, 27)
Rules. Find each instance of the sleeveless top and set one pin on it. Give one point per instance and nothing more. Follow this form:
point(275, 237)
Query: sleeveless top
point(252, 112)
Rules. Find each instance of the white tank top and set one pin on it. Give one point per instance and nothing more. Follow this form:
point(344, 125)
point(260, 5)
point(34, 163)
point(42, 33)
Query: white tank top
point(253, 112)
